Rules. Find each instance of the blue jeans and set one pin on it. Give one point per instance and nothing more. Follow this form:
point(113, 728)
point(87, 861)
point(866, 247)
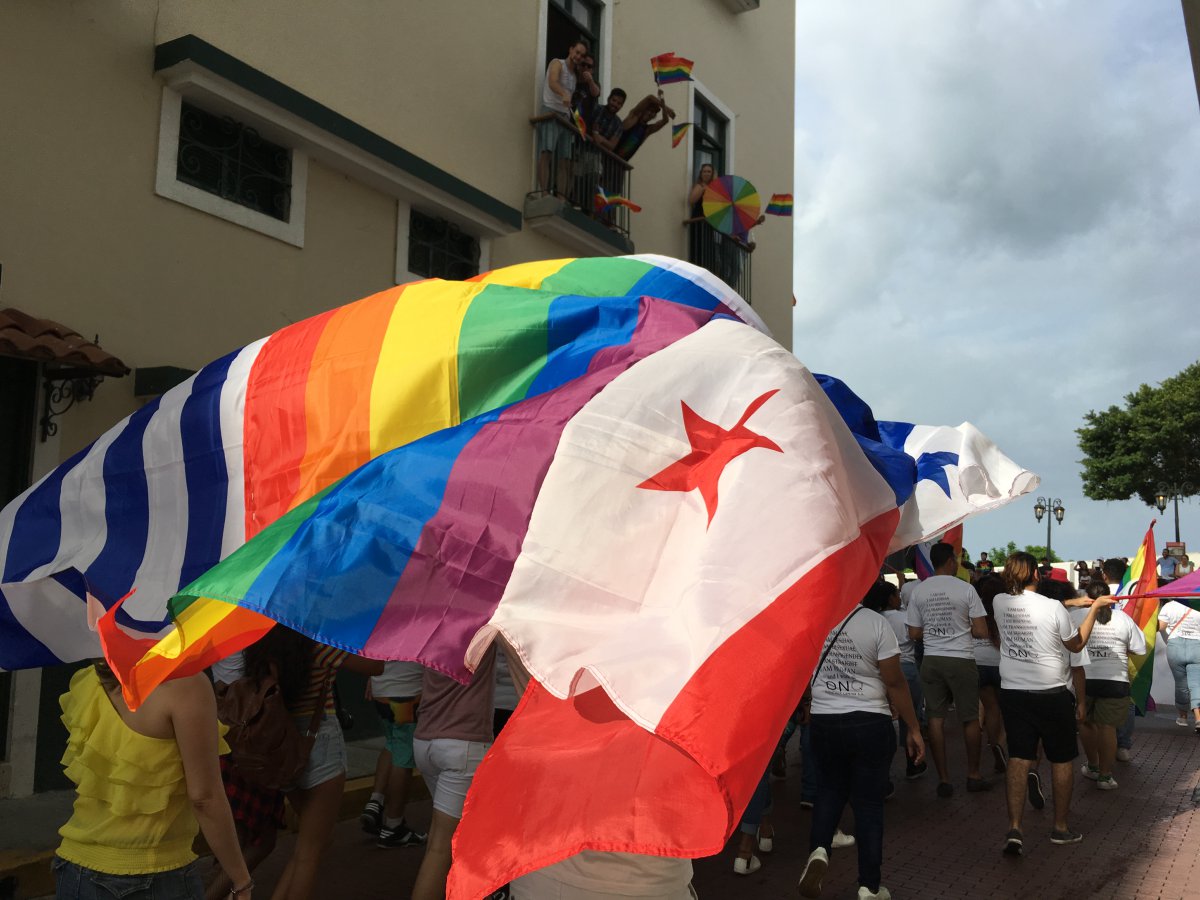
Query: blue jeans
point(74, 882)
point(1183, 655)
point(759, 806)
point(913, 676)
point(854, 751)
point(810, 768)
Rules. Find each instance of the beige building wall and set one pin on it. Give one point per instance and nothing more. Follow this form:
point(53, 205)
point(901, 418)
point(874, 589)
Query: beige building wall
point(85, 239)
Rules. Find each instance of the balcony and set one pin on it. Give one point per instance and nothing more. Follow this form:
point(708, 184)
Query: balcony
point(725, 256)
point(562, 205)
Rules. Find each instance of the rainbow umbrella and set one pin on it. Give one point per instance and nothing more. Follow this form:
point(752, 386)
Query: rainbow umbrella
point(731, 205)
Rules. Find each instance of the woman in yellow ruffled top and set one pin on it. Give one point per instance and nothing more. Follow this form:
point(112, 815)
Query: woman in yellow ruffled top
point(145, 782)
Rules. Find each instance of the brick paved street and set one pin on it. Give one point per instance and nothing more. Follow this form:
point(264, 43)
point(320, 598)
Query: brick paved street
point(1141, 842)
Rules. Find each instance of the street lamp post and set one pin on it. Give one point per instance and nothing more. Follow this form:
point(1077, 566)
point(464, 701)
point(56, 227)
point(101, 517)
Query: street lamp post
point(1168, 492)
point(1057, 511)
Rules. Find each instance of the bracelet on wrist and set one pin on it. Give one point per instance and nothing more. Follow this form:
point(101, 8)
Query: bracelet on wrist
point(244, 889)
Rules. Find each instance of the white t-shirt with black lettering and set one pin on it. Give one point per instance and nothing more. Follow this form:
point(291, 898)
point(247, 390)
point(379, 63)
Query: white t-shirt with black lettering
point(986, 653)
point(908, 651)
point(944, 606)
point(1181, 621)
point(1110, 645)
point(1032, 631)
point(848, 680)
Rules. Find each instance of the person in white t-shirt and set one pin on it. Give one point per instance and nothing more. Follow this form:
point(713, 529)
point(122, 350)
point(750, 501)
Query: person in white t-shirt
point(1181, 626)
point(946, 613)
point(1113, 570)
point(1114, 637)
point(987, 661)
point(856, 686)
point(1037, 637)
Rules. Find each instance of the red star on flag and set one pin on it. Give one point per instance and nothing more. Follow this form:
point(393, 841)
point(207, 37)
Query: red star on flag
point(713, 448)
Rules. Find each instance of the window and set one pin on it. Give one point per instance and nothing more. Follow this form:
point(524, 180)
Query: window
point(225, 157)
point(440, 249)
point(709, 137)
point(569, 20)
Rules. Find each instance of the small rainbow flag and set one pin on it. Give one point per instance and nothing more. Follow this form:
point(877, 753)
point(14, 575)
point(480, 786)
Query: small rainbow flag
point(579, 123)
point(1140, 579)
point(605, 201)
point(780, 205)
point(678, 132)
point(669, 68)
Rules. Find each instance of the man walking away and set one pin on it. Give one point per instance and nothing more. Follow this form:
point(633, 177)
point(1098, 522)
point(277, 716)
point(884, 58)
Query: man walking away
point(947, 613)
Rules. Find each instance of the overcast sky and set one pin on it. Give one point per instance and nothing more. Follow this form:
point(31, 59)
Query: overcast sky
point(998, 221)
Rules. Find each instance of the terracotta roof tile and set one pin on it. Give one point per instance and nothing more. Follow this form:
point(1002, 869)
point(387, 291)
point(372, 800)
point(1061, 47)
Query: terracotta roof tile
point(24, 336)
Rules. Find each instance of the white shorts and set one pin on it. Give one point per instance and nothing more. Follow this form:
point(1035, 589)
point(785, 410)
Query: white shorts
point(448, 765)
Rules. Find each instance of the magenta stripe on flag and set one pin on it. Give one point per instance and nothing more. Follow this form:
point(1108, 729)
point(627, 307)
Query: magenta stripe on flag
point(463, 559)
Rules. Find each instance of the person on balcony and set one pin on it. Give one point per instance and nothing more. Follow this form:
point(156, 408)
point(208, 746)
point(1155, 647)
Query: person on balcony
point(587, 89)
point(554, 139)
point(605, 125)
point(640, 124)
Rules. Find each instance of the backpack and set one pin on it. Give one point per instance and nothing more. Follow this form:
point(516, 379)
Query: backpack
point(265, 746)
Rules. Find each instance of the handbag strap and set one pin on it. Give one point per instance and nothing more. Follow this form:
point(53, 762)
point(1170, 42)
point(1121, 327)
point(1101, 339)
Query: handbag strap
point(315, 722)
point(1180, 622)
point(836, 635)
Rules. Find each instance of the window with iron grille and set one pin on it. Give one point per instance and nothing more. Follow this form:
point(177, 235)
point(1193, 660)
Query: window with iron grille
point(709, 136)
point(440, 249)
point(220, 155)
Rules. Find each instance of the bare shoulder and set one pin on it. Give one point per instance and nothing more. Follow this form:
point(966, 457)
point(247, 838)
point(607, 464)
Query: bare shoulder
point(180, 694)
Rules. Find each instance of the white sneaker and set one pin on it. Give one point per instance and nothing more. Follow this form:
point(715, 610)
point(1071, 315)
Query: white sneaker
point(1123, 754)
point(881, 894)
point(1182, 722)
point(766, 844)
point(1106, 783)
point(841, 839)
point(1089, 773)
point(814, 871)
point(746, 866)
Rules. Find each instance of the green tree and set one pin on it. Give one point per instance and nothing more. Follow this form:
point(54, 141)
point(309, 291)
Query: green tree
point(999, 554)
point(1153, 441)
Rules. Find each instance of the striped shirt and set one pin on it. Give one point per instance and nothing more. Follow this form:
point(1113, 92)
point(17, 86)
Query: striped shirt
point(325, 663)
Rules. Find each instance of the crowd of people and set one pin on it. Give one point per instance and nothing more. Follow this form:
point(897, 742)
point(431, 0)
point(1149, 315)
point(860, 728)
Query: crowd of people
point(1029, 667)
point(584, 144)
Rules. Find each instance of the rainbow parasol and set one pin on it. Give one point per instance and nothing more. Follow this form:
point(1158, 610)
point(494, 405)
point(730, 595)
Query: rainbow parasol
point(731, 204)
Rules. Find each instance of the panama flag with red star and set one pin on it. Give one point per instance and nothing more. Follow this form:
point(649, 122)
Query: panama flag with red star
point(707, 519)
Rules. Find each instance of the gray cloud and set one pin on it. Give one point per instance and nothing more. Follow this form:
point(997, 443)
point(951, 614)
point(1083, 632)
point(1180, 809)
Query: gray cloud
point(997, 219)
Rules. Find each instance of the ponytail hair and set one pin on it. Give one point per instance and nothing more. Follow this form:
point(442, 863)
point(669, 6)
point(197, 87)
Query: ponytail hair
point(1020, 571)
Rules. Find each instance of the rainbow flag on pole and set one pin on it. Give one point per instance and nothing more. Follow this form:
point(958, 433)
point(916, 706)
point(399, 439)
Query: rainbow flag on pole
point(579, 123)
point(679, 132)
point(669, 68)
point(780, 205)
point(603, 201)
point(1140, 579)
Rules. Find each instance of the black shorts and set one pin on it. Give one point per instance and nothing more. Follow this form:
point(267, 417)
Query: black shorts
point(1030, 717)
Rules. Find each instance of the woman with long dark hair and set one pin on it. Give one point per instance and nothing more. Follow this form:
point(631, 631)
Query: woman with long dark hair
point(306, 670)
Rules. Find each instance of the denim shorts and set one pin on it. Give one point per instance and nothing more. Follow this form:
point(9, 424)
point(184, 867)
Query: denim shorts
point(74, 882)
point(448, 765)
point(328, 757)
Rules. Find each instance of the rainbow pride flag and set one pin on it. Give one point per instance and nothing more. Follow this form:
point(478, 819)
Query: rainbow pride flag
point(669, 68)
point(678, 133)
point(579, 123)
point(604, 201)
point(780, 205)
point(1140, 579)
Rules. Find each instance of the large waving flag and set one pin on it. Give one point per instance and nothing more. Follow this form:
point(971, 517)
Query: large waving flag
point(188, 478)
point(606, 461)
point(1141, 578)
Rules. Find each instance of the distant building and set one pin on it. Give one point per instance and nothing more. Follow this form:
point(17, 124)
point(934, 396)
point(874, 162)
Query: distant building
point(183, 178)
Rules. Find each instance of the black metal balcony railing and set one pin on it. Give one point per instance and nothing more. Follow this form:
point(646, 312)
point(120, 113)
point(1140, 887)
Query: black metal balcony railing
point(574, 169)
point(725, 256)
